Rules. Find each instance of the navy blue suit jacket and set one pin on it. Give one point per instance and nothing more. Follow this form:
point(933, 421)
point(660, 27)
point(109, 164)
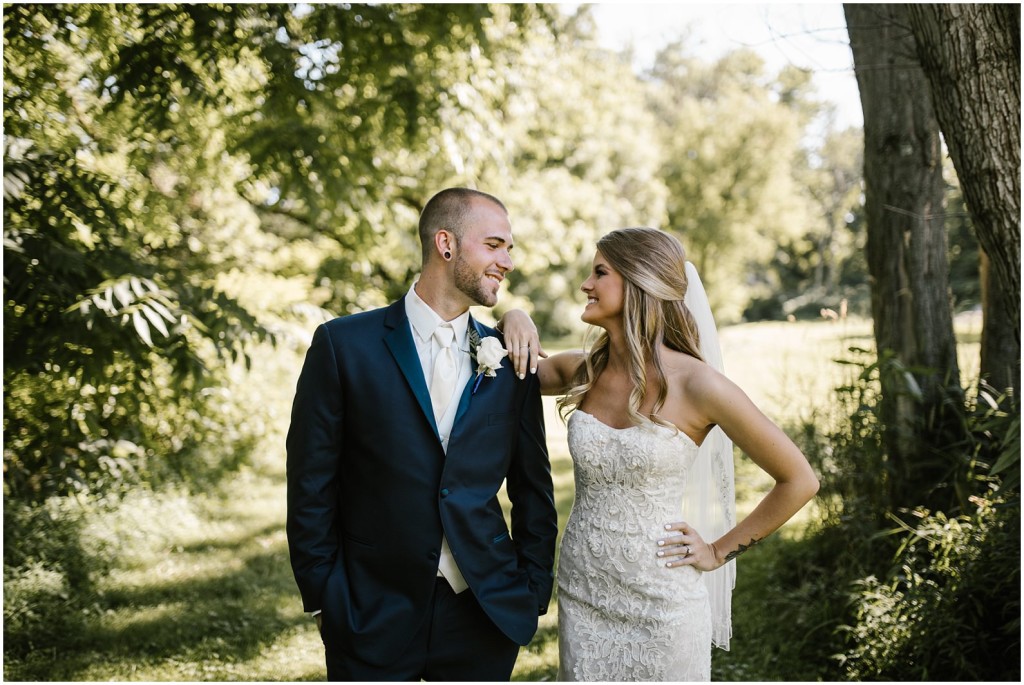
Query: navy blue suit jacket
point(371, 491)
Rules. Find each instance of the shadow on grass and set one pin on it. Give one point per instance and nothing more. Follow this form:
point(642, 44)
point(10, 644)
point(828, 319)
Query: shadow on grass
point(227, 618)
point(239, 542)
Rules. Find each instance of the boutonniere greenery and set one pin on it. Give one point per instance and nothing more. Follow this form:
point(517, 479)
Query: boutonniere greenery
point(487, 354)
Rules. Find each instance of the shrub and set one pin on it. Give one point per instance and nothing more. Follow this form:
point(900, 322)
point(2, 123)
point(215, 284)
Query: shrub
point(950, 607)
point(860, 598)
point(47, 573)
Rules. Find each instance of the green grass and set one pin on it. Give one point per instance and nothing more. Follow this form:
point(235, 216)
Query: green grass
point(199, 588)
point(201, 591)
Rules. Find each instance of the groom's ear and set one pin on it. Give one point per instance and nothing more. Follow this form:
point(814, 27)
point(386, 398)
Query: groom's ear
point(444, 243)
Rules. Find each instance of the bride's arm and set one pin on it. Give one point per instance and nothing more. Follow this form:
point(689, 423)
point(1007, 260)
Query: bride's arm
point(723, 403)
point(525, 352)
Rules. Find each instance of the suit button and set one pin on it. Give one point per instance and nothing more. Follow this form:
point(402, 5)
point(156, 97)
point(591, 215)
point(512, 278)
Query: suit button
point(444, 492)
point(432, 556)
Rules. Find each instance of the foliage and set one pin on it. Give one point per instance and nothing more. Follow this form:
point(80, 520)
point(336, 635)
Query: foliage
point(48, 573)
point(824, 266)
point(732, 161)
point(866, 599)
point(864, 484)
point(579, 161)
point(143, 147)
point(849, 456)
point(950, 607)
point(389, 122)
point(790, 599)
point(570, 157)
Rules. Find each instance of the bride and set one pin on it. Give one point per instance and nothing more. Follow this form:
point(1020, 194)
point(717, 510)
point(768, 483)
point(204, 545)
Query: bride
point(644, 575)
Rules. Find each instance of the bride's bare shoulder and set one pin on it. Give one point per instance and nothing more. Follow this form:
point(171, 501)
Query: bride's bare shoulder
point(693, 375)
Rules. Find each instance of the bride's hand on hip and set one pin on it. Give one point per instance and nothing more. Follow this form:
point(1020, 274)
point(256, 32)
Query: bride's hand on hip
point(682, 546)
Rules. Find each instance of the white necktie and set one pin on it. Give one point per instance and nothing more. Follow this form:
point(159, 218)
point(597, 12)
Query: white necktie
point(442, 386)
point(444, 374)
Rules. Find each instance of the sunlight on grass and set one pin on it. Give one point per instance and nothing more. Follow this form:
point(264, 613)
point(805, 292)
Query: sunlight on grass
point(538, 661)
point(201, 589)
point(787, 368)
point(296, 655)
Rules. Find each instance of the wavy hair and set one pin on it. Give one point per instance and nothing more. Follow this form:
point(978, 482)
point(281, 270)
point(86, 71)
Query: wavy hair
point(652, 264)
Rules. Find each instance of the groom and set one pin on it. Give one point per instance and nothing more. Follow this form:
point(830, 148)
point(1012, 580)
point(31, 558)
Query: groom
point(406, 421)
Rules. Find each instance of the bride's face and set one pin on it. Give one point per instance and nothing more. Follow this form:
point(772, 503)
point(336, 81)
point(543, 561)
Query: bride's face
point(605, 290)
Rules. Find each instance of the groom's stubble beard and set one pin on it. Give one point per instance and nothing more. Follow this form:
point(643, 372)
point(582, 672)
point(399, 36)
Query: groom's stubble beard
point(468, 282)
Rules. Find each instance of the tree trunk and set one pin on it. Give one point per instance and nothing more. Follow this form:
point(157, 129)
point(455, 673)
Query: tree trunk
point(1000, 341)
point(906, 251)
point(971, 55)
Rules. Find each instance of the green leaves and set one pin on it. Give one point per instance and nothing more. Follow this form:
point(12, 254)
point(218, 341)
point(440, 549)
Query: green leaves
point(948, 607)
point(734, 161)
point(134, 298)
point(140, 143)
point(118, 203)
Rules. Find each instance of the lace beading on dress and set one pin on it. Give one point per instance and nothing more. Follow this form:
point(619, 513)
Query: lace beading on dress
point(624, 616)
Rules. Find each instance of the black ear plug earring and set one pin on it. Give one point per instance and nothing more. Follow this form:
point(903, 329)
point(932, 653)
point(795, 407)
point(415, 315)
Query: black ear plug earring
point(447, 254)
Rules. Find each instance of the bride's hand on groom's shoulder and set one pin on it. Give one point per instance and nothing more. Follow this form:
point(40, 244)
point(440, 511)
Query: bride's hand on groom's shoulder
point(682, 545)
point(522, 341)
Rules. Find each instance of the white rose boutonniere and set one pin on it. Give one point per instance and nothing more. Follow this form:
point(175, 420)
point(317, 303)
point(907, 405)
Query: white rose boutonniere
point(487, 353)
point(489, 356)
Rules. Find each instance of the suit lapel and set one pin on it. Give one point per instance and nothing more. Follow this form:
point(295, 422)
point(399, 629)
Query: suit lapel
point(403, 349)
point(467, 393)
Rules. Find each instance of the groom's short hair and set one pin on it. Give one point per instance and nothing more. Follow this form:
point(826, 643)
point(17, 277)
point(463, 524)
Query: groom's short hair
point(447, 210)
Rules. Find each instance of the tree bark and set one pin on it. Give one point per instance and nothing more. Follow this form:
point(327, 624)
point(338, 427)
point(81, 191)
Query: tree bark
point(1000, 336)
point(971, 55)
point(906, 250)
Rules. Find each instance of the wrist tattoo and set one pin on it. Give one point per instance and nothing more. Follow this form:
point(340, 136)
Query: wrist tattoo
point(742, 548)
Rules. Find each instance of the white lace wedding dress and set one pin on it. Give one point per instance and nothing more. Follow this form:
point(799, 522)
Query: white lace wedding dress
point(622, 615)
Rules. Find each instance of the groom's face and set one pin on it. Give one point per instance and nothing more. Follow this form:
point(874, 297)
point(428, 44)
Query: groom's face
point(482, 253)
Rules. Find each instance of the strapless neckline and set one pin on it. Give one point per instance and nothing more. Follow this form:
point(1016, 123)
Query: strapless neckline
point(670, 431)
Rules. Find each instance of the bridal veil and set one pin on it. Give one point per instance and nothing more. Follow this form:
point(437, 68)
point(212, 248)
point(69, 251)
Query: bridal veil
point(709, 502)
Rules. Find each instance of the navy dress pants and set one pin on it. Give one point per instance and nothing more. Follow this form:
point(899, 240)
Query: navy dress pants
point(457, 642)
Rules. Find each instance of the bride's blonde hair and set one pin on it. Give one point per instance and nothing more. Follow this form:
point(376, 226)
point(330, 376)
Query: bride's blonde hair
point(652, 264)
